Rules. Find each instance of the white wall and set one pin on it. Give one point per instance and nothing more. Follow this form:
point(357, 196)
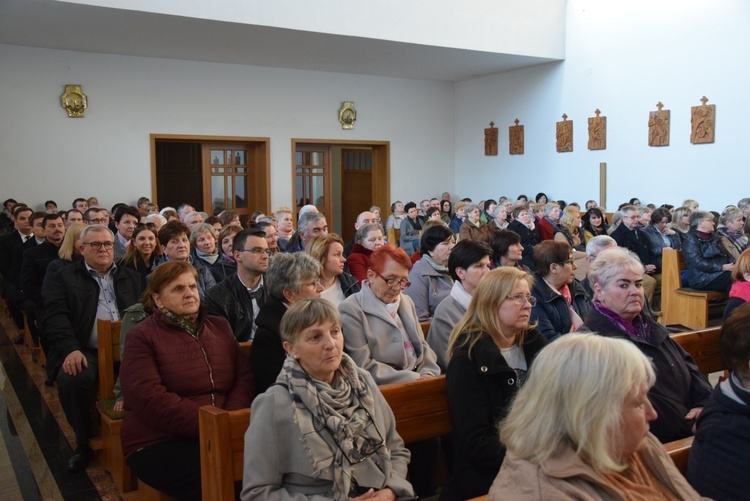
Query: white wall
point(621, 58)
point(44, 154)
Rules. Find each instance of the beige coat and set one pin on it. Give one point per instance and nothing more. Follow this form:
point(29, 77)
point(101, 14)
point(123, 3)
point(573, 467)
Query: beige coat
point(568, 477)
point(373, 340)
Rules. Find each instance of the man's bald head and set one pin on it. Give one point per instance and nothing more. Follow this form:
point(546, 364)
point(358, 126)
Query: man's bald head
point(364, 218)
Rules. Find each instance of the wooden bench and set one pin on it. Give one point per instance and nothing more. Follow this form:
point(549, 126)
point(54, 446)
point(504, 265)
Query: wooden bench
point(703, 346)
point(420, 408)
point(394, 236)
point(679, 450)
point(681, 305)
point(110, 455)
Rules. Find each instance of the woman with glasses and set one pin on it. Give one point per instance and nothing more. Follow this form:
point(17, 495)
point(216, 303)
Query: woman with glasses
point(142, 251)
point(681, 390)
point(561, 301)
point(323, 431)
point(337, 284)
point(289, 278)
point(490, 351)
point(430, 279)
point(383, 336)
point(709, 264)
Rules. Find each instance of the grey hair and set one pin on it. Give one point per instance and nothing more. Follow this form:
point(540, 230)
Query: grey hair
point(363, 231)
point(307, 208)
point(308, 218)
point(599, 243)
point(549, 207)
point(611, 262)
point(743, 203)
point(628, 208)
point(201, 228)
point(307, 313)
point(287, 271)
point(470, 207)
point(730, 214)
point(96, 228)
point(156, 217)
point(497, 210)
point(697, 216)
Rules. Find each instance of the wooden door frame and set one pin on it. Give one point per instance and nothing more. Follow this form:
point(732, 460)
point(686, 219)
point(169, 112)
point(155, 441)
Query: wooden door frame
point(211, 139)
point(381, 169)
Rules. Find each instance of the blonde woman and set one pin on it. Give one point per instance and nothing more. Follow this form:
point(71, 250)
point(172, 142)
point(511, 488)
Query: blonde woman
point(68, 253)
point(569, 229)
point(579, 428)
point(490, 350)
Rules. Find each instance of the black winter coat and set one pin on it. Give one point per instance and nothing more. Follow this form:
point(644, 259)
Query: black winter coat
point(679, 387)
point(480, 389)
point(267, 356)
point(230, 299)
point(529, 239)
point(704, 258)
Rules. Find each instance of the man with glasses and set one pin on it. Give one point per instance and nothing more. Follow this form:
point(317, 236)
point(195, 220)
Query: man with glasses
point(238, 298)
point(90, 289)
point(96, 215)
point(631, 237)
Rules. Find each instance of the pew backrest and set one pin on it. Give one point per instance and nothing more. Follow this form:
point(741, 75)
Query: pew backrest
point(679, 451)
point(703, 346)
point(108, 352)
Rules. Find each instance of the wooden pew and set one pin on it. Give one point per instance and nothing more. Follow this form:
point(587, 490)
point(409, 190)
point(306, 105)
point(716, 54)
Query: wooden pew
point(394, 236)
point(703, 346)
point(420, 408)
point(679, 450)
point(110, 455)
point(682, 305)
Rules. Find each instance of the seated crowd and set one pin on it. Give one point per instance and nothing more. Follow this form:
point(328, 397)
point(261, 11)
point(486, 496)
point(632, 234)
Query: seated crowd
point(493, 284)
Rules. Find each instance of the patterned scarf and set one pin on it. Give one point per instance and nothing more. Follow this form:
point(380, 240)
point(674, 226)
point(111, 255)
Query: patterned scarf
point(344, 411)
point(639, 328)
point(183, 322)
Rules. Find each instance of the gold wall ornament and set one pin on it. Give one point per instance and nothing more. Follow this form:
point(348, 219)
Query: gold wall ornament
point(564, 135)
point(597, 132)
point(658, 126)
point(347, 115)
point(515, 134)
point(702, 122)
point(74, 101)
point(490, 140)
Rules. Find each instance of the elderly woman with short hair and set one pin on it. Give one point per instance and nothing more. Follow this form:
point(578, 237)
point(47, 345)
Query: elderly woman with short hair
point(547, 224)
point(709, 264)
point(175, 243)
point(731, 226)
point(430, 280)
point(368, 239)
point(472, 228)
point(660, 235)
point(499, 219)
point(324, 430)
point(579, 428)
point(203, 243)
point(289, 278)
point(681, 390)
point(561, 301)
point(523, 224)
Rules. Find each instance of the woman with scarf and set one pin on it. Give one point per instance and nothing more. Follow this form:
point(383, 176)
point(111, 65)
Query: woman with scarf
point(680, 391)
point(160, 420)
point(226, 266)
point(142, 252)
point(731, 231)
point(203, 243)
point(323, 430)
point(430, 279)
point(410, 228)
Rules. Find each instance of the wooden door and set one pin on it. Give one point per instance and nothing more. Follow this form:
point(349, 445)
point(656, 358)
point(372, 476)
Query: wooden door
point(312, 179)
point(227, 177)
point(178, 173)
point(356, 187)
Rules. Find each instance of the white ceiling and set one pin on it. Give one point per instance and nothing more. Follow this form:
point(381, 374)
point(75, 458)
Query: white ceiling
point(59, 25)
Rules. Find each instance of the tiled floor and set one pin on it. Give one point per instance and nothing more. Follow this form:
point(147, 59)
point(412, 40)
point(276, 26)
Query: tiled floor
point(35, 439)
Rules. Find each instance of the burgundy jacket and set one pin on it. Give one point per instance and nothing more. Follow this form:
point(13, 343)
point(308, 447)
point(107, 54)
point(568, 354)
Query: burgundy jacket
point(167, 374)
point(358, 262)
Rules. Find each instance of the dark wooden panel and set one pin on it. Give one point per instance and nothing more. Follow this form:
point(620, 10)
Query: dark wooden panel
point(179, 176)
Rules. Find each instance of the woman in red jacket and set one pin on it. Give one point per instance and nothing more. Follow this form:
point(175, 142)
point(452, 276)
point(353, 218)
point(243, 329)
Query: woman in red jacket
point(368, 239)
point(177, 360)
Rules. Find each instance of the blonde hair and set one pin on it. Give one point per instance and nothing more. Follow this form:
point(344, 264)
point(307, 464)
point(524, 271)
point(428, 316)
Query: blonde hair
point(319, 246)
point(573, 398)
point(72, 234)
point(481, 318)
point(679, 213)
point(568, 218)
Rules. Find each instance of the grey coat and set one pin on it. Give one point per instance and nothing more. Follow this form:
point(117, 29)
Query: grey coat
point(373, 340)
point(277, 466)
point(428, 288)
point(448, 313)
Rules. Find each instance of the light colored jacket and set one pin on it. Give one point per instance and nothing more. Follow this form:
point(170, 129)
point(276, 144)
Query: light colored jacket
point(277, 466)
point(567, 477)
point(428, 288)
point(373, 340)
point(448, 313)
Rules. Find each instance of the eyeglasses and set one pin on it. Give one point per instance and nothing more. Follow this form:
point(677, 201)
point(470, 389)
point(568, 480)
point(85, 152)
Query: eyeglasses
point(257, 251)
point(522, 299)
point(102, 220)
point(563, 263)
point(99, 245)
point(393, 281)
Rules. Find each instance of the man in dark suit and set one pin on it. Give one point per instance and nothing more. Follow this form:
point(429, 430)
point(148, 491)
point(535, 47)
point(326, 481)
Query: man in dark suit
point(9, 244)
point(79, 294)
point(629, 236)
